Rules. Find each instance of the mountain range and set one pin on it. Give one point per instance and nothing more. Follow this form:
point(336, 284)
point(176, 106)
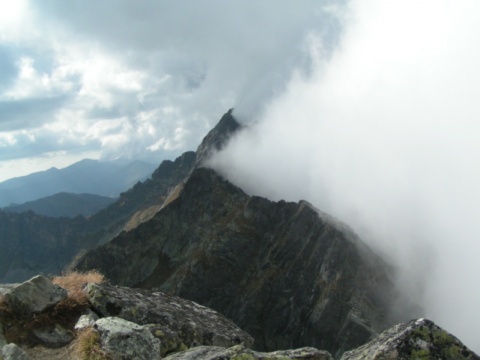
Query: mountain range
point(286, 273)
point(64, 205)
point(104, 178)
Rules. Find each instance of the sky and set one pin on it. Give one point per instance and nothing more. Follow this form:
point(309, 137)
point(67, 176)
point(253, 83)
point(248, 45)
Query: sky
point(369, 109)
point(143, 80)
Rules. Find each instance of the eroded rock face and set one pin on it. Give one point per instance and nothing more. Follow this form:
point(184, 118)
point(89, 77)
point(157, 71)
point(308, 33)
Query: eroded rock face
point(124, 340)
point(286, 273)
point(417, 339)
point(178, 323)
point(239, 352)
point(34, 296)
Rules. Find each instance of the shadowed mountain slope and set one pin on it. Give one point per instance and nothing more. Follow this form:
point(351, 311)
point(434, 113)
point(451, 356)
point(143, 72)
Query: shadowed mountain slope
point(287, 274)
point(64, 205)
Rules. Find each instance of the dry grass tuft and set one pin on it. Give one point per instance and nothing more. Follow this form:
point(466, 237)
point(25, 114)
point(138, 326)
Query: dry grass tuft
point(87, 346)
point(74, 282)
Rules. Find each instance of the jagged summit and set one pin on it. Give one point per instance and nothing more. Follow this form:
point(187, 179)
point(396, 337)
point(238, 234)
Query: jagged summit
point(217, 137)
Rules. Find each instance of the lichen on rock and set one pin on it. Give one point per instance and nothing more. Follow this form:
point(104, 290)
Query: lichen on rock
point(124, 340)
point(239, 352)
point(34, 296)
point(177, 322)
point(417, 339)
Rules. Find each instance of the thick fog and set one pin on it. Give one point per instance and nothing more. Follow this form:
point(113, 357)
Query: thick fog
point(384, 135)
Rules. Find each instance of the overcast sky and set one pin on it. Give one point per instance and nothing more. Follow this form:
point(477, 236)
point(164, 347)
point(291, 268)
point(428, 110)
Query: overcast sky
point(148, 79)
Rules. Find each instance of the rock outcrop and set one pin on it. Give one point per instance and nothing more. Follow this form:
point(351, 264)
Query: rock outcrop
point(148, 324)
point(178, 323)
point(286, 273)
point(217, 138)
point(417, 339)
point(124, 340)
point(131, 323)
point(34, 296)
point(239, 352)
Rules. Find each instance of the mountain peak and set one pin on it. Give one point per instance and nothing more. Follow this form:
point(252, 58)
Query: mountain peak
point(217, 137)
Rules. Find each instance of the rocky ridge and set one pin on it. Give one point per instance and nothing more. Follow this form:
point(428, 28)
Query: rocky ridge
point(126, 323)
point(286, 275)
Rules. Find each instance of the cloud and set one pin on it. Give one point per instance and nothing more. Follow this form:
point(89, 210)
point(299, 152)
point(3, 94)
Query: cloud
point(29, 113)
point(118, 62)
point(383, 135)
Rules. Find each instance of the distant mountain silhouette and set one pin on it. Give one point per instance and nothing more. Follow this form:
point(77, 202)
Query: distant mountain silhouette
point(65, 205)
point(105, 178)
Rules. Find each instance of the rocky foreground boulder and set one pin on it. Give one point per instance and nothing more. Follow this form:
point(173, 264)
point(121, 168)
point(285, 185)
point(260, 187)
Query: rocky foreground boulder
point(128, 323)
point(417, 339)
point(241, 353)
point(34, 296)
point(122, 339)
point(125, 323)
point(176, 322)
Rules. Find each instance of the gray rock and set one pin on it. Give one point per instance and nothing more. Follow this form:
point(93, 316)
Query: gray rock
point(124, 340)
point(239, 352)
point(4, 288)
point(13, 352)
point(217, 138)
point(34, 296)
point(2, 337)
point(56, 336)
point(178, 323)
point(86, 320)
point(417, 339)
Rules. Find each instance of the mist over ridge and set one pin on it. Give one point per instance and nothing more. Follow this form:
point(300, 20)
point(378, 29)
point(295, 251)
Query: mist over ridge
point(383, 134)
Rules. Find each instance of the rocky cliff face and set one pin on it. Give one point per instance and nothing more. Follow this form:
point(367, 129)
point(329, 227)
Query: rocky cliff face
point(287, 274)
point(217, 137)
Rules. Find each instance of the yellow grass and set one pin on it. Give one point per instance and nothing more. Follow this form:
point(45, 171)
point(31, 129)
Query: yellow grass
point(74, 282)
point(87, 345)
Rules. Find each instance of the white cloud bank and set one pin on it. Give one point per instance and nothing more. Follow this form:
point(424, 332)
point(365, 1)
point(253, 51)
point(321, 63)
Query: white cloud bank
point(385, 136)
